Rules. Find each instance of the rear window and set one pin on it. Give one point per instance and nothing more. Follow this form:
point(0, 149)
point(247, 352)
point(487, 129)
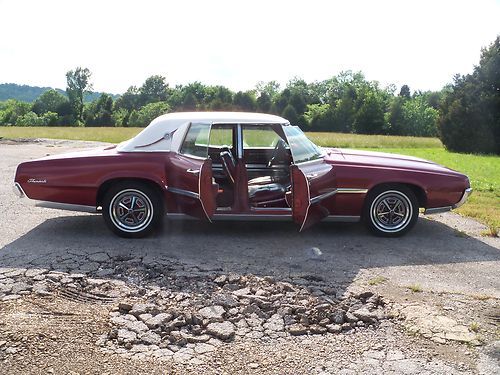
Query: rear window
point(196, 141)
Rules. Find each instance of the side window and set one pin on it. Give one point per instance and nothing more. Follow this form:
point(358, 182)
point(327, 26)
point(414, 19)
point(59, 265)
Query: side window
point(221, 136)
point(196, 141)
point(259, 137)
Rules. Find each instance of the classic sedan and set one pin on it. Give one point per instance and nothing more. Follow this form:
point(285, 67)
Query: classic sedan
point(240, 166)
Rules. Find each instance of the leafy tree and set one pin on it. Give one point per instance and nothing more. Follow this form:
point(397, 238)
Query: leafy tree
point(282, 100)
point(50, 119)
point(419, 119)
point(120, 117)
point(99, 112)
point(129, 100)
point(154, 89)
point(148, 113)
point(271, 89)
point(12, 109)
point(32, 119)
point(370, 116)
point(49, 101)
point(245, 101)
point(291, 115)
point(264, 103)
point(319, 117)
point(78, 84)
point(405, 92)
point(133, 119)
point(469, 118)
point(189, 103)
point(343, 115)
point(395, 116)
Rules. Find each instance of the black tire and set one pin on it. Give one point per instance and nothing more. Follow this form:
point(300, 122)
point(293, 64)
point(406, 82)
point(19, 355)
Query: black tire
point(132, 209)
point(402, 210)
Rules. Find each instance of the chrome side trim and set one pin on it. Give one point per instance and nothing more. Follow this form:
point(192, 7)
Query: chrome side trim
point(186, 193)
point(67, 207)
point(437, 210)
point(263, 209)
point(249, 217)
point(342, 218)
point(351, 191)
point(234, 217)
point(323, 196)
point(246, 217)
point(18, 190)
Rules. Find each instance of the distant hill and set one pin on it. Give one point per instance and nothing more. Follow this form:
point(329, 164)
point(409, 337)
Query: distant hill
point(27, 93)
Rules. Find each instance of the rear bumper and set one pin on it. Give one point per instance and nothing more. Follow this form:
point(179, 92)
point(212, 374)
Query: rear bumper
point(436, 210)
point(18, 190)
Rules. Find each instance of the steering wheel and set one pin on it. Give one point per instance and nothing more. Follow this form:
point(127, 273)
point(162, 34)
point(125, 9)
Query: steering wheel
point(279, 149)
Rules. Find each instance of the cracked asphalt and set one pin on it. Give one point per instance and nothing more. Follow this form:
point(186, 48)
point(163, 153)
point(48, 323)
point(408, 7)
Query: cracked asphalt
point(457, 274)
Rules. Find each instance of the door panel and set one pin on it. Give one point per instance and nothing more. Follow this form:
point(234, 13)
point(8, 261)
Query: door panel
point(190, 185)
point(312, 183)
point(207, 189)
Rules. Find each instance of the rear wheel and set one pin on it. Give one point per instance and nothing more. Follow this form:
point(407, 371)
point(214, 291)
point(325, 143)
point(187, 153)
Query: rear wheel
point(132, 209)
point(391, 210)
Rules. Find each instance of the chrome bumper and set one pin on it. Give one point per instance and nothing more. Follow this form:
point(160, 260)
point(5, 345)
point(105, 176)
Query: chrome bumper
point(18, 190)
point(437, 210)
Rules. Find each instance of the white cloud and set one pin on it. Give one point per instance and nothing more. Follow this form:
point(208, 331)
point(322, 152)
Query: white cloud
point(236, 44)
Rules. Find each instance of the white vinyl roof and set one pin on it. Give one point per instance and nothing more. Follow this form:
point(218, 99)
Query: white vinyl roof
point(165, 133)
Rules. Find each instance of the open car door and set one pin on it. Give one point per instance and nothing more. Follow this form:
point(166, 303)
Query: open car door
point(189, 175)
point(313, 179)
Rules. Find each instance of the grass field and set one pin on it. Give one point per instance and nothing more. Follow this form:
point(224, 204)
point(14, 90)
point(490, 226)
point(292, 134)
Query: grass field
point(483, 171)
point(116, 135)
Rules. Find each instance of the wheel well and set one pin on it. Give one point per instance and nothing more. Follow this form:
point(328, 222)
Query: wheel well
point(107, 184)
point(417, 190)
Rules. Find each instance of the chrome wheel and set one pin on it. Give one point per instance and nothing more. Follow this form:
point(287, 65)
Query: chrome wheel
point(391, 211)
point(131, 210)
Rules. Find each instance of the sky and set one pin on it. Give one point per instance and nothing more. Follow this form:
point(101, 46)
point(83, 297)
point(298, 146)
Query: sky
point(238, 43)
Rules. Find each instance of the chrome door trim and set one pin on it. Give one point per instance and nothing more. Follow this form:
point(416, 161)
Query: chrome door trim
point(239, 141)
point(323, 196)
point(351, 191)
point(186, 193)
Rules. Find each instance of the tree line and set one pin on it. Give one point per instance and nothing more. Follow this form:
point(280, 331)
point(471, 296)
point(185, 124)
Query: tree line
point(344, 103)
point(464, 114)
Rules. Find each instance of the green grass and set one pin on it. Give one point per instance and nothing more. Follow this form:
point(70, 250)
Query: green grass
point(415, 288)
point(377, 280)
point(372, 141)
point(116, 135)
point(483, 171)
point(108, 134)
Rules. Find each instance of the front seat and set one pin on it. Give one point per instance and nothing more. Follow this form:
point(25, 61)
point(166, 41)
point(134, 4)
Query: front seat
point(261, 191)
point(228, 165)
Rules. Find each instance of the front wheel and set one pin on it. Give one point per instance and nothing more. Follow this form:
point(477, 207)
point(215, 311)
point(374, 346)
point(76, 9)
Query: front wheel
point(391, 210)
point(132, 209)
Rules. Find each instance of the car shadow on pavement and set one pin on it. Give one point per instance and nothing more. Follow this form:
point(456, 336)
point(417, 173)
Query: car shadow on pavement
point(332, 253)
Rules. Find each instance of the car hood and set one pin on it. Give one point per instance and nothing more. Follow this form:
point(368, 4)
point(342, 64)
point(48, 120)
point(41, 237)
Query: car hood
point(386, 160)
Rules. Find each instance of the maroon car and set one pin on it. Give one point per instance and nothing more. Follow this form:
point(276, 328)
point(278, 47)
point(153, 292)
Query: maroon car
point(240, 166)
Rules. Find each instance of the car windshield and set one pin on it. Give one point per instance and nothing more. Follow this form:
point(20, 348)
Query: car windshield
point(302, 148)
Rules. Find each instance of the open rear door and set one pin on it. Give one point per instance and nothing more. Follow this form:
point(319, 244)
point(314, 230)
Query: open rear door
point(313, 179)
point(189, 176)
